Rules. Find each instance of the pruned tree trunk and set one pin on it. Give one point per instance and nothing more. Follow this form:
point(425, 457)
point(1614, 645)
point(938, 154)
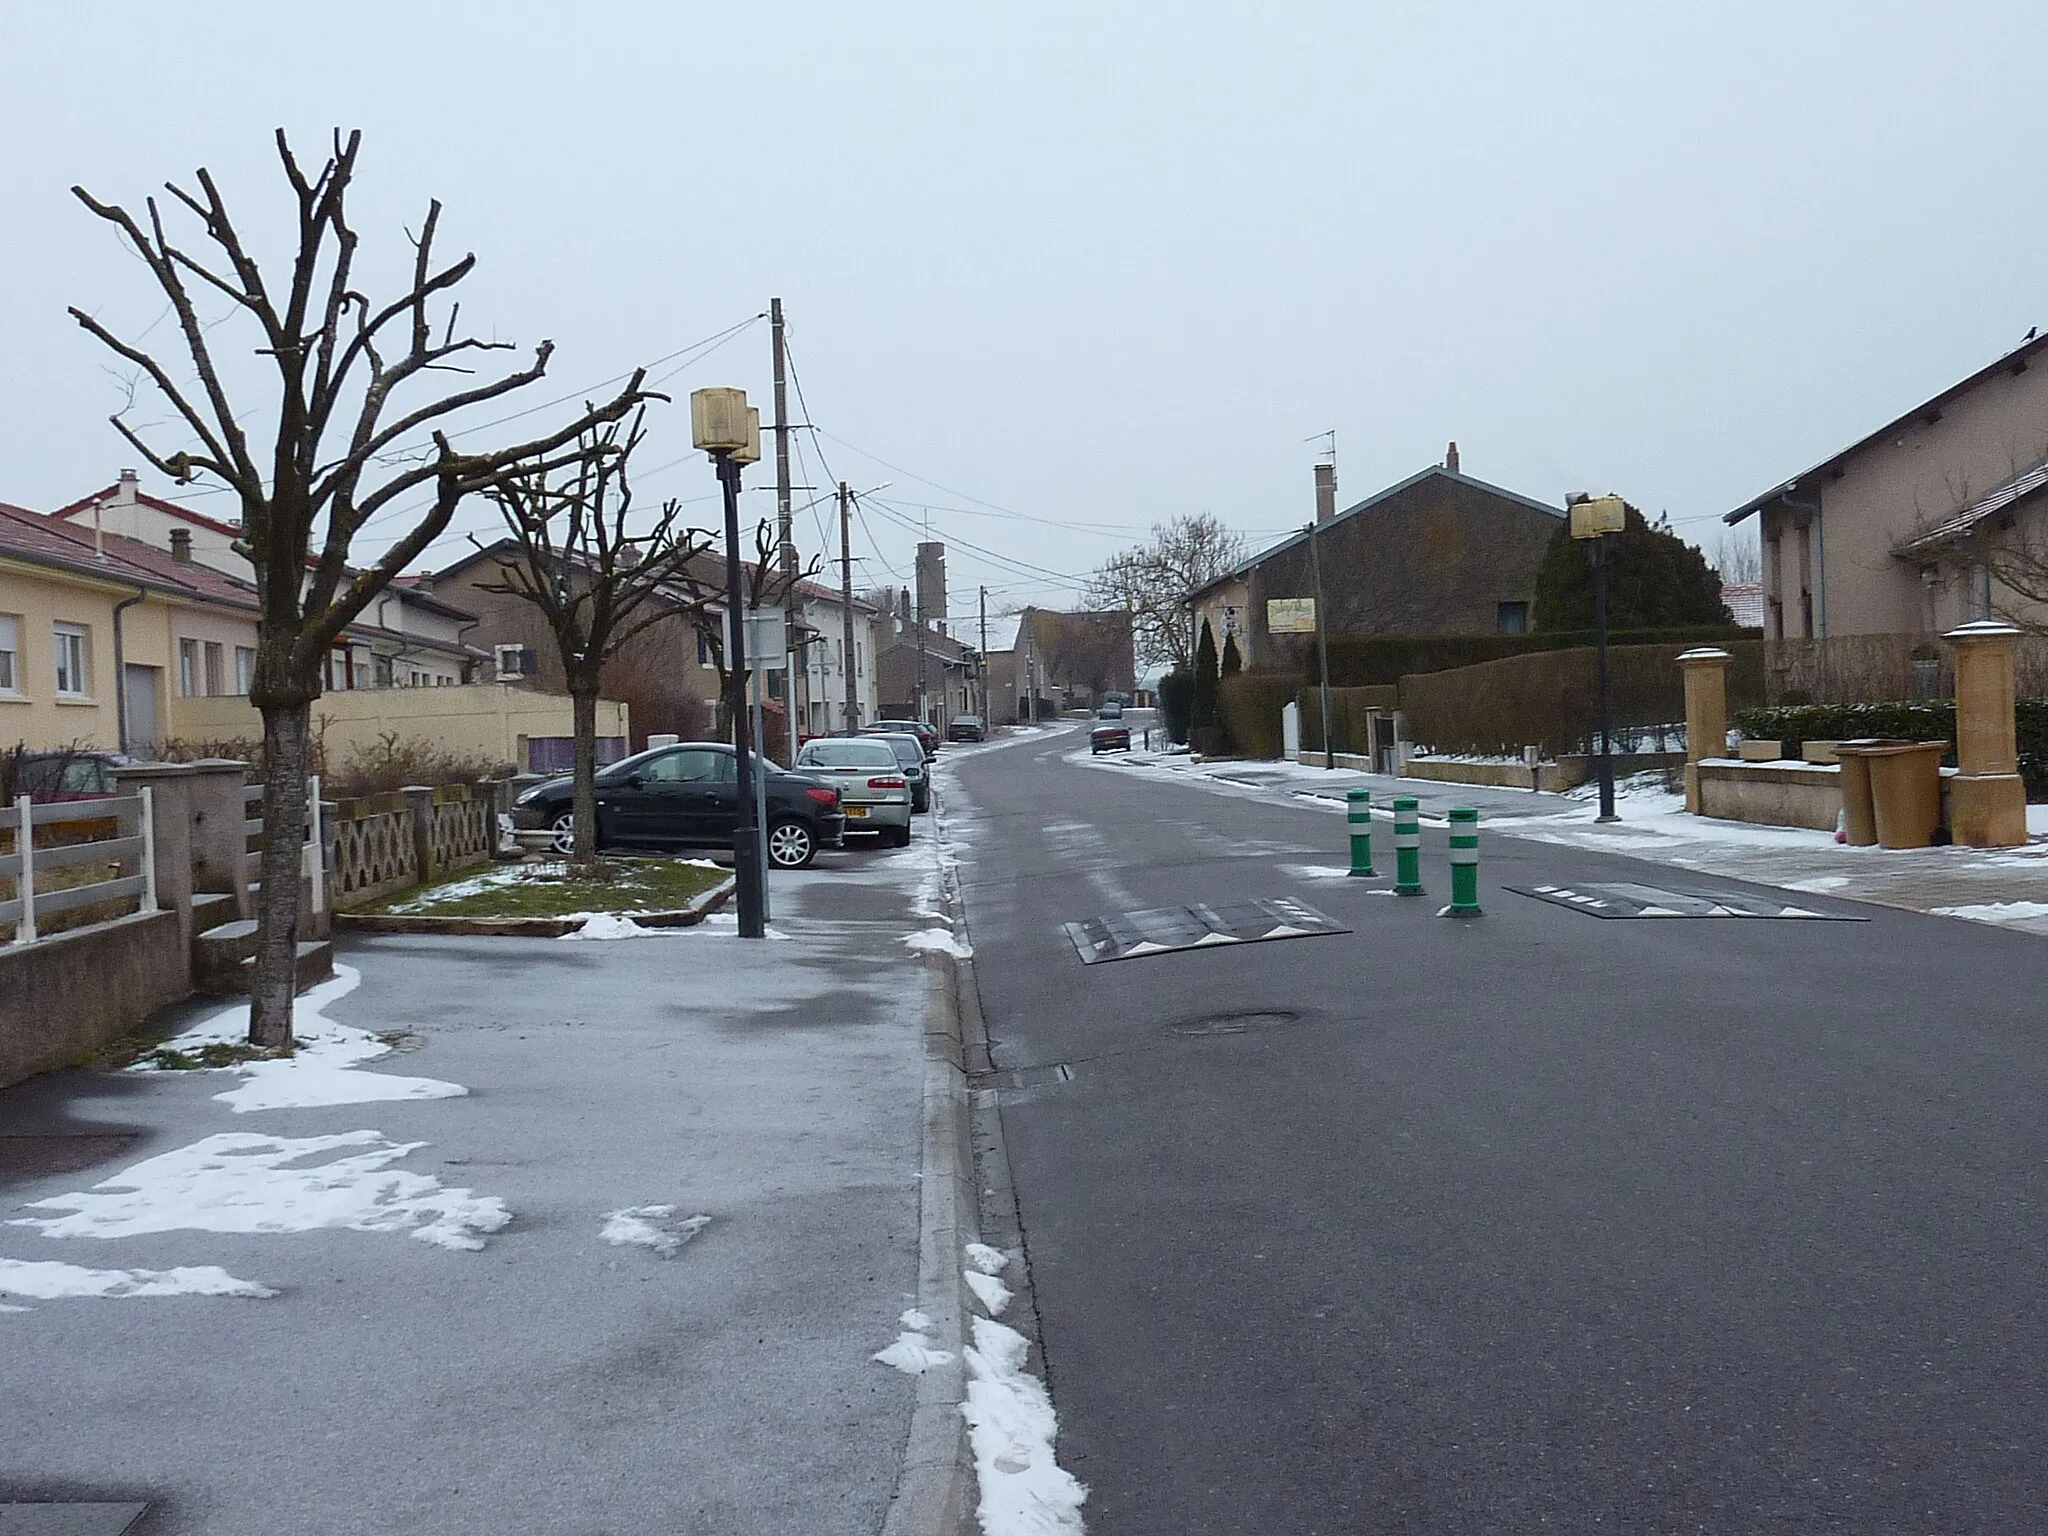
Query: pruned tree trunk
point(286, 734)
point(583, 700)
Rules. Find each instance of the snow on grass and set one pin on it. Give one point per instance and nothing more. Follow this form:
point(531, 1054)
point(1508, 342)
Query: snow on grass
point(320, 1071)
point(1997, 911)
point(239, 1182)
point(609, 925)
point(1011, 1426)
point(653, 1227)
point(51, 1280)
point(475, 885)
point(939, 941)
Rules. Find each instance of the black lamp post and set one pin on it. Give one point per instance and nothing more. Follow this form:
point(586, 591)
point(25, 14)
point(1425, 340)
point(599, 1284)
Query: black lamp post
point(1594, 521)
point(727, 428)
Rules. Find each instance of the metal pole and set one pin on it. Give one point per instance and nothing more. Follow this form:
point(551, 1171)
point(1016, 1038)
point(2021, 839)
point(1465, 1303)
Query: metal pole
point(851, 658)
point(1315, 560)
point(760, 788)
point(746, 838)
point(1600, 664)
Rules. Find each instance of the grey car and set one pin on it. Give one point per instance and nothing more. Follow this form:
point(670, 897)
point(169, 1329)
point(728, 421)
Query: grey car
point(910, 756)
point(873, 791)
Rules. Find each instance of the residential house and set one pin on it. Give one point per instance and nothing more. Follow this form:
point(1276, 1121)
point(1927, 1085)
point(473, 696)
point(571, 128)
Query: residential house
point(1439, 553)
point(102, 636)
point(819, 648)
point(1900, 532)
point(1072, 660)
point(407, 637)
point(921, 673)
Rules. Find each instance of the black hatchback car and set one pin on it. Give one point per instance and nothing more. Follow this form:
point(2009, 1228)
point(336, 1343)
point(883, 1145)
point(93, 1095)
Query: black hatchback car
point(688, 796)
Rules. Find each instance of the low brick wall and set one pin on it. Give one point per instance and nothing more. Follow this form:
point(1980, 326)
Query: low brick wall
point(1776, 794)
point(388, 843)
point(64, 997)
point(1553, 778)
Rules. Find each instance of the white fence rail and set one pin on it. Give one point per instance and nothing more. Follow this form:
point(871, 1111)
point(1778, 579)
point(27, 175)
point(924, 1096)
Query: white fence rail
point(312, 861)
point(29, 867)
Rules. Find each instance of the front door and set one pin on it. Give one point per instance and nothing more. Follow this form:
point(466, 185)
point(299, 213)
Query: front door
point(138, 691)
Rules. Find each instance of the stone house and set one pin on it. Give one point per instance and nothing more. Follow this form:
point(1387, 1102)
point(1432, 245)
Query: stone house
point(1438, 553)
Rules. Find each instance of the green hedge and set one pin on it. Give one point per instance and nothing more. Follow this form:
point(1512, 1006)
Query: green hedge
point(1902, 720)
point(1363, 660)
point(1248, 704)
point(1177, 704)
point(1348, 710)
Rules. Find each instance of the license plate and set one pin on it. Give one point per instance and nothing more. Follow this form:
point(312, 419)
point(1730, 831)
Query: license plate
point(856, 811)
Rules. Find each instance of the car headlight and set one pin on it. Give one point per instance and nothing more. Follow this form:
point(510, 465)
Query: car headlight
point(527, 797)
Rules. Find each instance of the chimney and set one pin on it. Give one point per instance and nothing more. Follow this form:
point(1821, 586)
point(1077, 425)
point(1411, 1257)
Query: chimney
point(124, 494)
point(181, 545)
point(1451, 458)
point(1326, 492)
point(423, 583)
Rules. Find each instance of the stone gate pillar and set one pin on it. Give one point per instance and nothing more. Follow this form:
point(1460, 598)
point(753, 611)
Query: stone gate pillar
point(1706, 713)
point(1987, 803)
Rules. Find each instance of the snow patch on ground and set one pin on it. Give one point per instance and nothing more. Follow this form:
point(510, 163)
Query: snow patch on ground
point(939, 941)
point(51, 1280)
point(1997, 911)
point(912, 1353)
point(610, 925)
point(985, 1260)
point(1011, 1425)
point(989, 1291)
point(1315, 872)
point(653, 1227)
point(726, 925)
point(239, 1182)
point(475, 885)
point(322, 1069)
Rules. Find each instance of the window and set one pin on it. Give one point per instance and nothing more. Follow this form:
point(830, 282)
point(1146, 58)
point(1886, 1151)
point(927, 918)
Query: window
point(216, 681)
point(693, 766)
point(515, 662)
point(703, 650)
point(1512, 618)
point(10, 653)
point(188, 669)
point(69, 642)
point(245, 668)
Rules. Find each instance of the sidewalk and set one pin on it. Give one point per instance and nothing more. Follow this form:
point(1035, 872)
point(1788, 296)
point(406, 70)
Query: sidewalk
point(2005, 886)
point(605, 1245)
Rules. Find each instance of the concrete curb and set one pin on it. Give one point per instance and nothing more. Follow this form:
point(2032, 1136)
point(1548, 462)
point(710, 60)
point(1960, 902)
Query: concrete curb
point(527, 927)
point(934, 1489)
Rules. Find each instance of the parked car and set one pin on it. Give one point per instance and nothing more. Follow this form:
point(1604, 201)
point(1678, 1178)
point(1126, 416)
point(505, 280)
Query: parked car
point(927, 737)
point(915, 765)
point(1109, 735)
point(872, 787)
point(74, 773)
point(967, 728)
point(688, 796)
point(1112, 709)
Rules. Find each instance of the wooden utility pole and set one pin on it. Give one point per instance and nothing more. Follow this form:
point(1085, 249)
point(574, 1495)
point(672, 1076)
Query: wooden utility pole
point(984, 656)
point(785, 532)
point(850, 658)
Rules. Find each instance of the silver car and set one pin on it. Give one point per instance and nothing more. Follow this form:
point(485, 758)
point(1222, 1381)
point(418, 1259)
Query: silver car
point(873, 791)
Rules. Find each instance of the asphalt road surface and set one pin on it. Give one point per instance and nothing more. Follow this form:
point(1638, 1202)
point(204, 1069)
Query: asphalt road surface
point(1537, 1222)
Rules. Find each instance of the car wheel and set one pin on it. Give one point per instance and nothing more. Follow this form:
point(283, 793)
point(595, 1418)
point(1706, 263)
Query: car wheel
point(902, 838)
point(564, 829)
point(791, 845)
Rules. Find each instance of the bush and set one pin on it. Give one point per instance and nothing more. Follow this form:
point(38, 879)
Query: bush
point(391, 763)
point(1654, 578)
point(1550, 699)
point(1363, 660)
point(1902, 720)
point(1177, 704)
point(1349, 708)
point(1249, 705)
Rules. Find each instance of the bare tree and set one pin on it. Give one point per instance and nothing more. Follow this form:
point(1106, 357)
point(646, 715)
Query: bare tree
point(1152, 583)
point(1739, 558)
point(702, 590)
point(595, 583)
point(341, 452)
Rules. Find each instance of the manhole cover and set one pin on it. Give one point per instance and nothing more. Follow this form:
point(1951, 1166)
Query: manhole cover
point(1025, 1077)
point(1233, 1024)
point(68, 1519)
point(35, 1157)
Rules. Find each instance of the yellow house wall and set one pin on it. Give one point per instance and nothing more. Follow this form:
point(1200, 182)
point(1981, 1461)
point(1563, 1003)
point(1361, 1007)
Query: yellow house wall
point(38, 600)
point(489, 720)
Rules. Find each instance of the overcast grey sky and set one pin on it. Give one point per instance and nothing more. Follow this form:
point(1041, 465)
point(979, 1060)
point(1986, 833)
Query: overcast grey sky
point(1103, 263)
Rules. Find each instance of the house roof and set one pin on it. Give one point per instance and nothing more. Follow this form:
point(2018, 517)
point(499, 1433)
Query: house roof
point(2015, 361)
point(184, 514)
point(2022, 487)
point(45, 541)
point(1745, 602)
point(1367, 505)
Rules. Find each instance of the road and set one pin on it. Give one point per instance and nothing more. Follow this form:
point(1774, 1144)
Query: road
point(1532, 1223)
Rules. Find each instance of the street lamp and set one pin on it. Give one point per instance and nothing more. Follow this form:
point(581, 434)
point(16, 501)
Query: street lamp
point(727, 428)
point(1594, 520)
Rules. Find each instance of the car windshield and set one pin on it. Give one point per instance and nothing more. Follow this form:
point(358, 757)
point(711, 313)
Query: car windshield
point(847, 754)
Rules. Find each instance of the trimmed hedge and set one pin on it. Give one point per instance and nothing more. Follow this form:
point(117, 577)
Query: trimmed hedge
point(1248, 704)
point(1348, 710)
point(1177, 704)
point(1363, 660)
point(1550, 699)
point(1902, 720)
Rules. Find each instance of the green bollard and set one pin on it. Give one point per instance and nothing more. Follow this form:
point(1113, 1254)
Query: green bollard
point(1407, 847)
point(1464, 862)
point(1358, 813)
